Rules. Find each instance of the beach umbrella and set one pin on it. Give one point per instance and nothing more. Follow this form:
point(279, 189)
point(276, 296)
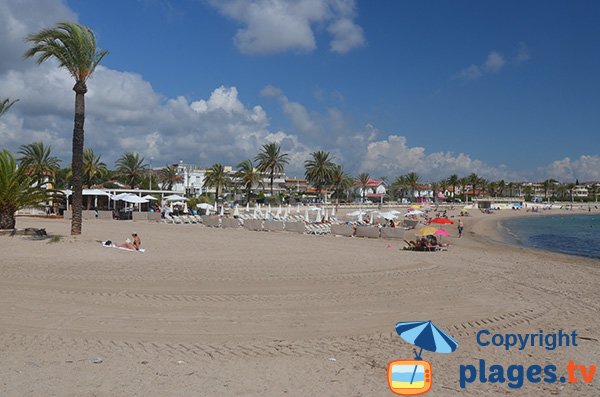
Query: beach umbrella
point(426, 231)
point(133, 199)
point(333, 211)
point(208, 211)
point(372, 218)
point(318, 215)
point(298, 208)
point(425, 335)
point(248, 206)
point(388, 215)
point(306, 219)
point(442, 221)
point(441, 232)
point(414, 212)
point(415, 206)
point(278, 213)
point(222, 210)
point(236, 211)
point(326, 216)
point(149, 197)
point(356, 213)
point(204, 206)
point(269, 211)
point(175, 197)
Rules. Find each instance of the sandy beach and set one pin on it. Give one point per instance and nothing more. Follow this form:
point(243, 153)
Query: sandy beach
point(210, 312)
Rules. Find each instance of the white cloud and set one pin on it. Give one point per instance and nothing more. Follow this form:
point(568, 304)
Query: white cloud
point(392, 156)
point(585, 168)
point(280, 25)
point(493, 63)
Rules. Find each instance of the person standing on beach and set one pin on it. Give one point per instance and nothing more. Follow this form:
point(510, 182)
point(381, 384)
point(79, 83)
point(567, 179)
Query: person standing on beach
point(461, 226)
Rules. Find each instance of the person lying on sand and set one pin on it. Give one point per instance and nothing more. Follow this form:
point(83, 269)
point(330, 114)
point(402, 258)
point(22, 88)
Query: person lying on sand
point(132, 245)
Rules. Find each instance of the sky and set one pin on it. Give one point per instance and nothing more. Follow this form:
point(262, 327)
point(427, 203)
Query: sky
point(508, 90)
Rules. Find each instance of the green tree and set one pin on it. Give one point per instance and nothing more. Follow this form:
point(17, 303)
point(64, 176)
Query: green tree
point(74, 47)
point(464, 182)
point(6, 104)
point(131, 168)
point(413, 181)
point(248, 177)
point(271, 160)
point(37, 159)
point(453, 181)
point(168, 177)
point(363, 183)
point(318, 169)
point(18, 189)
point(340, 182)
point(94, 169)
point(217, 178)
point(399, 186)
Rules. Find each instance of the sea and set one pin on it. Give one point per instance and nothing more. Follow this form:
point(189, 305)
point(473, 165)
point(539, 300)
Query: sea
point(569, 234)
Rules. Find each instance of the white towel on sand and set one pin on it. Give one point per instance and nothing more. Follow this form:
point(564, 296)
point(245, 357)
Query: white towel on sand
point(121, 248)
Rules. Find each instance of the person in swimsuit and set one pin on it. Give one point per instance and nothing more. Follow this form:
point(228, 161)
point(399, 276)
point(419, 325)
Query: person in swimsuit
point(132, 245)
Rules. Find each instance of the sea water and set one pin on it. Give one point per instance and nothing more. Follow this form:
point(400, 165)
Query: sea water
point(568, 234)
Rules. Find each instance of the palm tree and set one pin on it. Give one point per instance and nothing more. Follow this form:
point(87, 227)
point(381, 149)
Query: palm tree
point(248, 177)
point(548, 184)
point(363, 183)
point(18, 189)
point(318, 169)
point(216, 177)
point(400, 185)
point(168, 177)
point(93, 168)
point(131, 168)
point(453, 181)
point(271, 160)
point(74, 47)
point(412, 180)
point(464, 182)
point(6, 104)
point(36, 158)
point(473, 181)
point(340, 181)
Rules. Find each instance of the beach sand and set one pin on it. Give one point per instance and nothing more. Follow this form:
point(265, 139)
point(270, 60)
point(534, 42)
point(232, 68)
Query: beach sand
point(208, 312)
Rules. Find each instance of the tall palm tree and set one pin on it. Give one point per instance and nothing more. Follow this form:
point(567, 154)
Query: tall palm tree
point(400, 185)
point(36, 158)
point(473, 181)
point(18, 189)
point(168, 177)
point(363, 183)
point(271, 160)
point(318, 169)
point(453, 181)
point(548, 185)
point(464, 182)
point(93, 168)
point(248, 177)
point(74, 47)
point(340, 182)
point(413, 180)
point(6, 104)
point(217, 177)
point(131, 168)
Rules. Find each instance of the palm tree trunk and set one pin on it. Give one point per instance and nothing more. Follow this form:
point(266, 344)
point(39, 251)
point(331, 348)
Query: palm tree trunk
point(271, 184)
point(7, 218)
point(77, 160)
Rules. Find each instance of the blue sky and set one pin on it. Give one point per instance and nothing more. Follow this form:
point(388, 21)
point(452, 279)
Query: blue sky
point(506, 89)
